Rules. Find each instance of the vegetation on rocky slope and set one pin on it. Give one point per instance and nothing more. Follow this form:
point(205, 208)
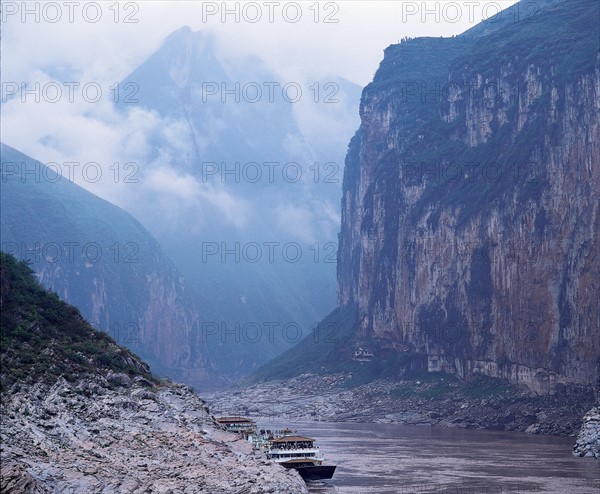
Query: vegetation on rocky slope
point(43, 338)
point(81, 414)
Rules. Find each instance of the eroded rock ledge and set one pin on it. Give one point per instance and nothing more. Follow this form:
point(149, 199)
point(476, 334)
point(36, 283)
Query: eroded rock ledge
point(588, 440)
point(115, 435)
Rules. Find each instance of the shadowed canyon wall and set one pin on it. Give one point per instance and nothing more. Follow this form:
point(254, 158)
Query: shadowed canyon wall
point(471, 209)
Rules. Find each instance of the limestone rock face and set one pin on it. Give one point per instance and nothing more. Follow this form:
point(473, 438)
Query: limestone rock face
point(93, 435)
point(471, 209)
point(588, 440)
point(15, 478)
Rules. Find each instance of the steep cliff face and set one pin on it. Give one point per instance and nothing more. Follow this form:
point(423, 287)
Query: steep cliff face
point(471, 209)
point(100, 259)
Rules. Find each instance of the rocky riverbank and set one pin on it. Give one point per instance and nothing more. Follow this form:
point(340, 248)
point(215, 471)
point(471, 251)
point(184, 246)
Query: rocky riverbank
point(439, 400)
point(588, 439)
point(80, 414)
point(117, 435)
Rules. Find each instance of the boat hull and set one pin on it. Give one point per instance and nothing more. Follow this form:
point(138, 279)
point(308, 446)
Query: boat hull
point(316, 472)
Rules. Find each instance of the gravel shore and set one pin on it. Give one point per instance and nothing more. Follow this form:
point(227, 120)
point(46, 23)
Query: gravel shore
point(446, 401)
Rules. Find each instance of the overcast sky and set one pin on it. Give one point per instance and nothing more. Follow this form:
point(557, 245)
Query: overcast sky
point(348, 38)
point(78, 42)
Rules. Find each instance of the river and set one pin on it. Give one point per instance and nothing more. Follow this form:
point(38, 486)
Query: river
point(401, 459)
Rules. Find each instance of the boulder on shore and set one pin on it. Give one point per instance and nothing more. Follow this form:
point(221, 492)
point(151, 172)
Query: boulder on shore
point(588, 440)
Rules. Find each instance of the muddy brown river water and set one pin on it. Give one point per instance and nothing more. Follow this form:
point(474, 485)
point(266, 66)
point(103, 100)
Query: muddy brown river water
point(400, 459)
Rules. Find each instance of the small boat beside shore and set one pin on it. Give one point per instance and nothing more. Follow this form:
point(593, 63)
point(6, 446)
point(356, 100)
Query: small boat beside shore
point(301, 454)
point(284, 447)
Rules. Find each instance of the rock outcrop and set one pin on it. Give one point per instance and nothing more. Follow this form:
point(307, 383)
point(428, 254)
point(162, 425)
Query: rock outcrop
point(93, 435)
point(588, 440)
point(471, 210)
point(15, 478)
point(81, 414)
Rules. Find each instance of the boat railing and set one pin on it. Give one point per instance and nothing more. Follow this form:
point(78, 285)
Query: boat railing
point(293, 447)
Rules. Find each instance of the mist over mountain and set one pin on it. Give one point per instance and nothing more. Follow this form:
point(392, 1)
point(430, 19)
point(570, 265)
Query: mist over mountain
point(261, 248)
point(103, 261)
point(255, 209)
point(197, 201)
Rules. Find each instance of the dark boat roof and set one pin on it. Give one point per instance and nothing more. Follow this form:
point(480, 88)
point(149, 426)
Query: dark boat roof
point(292, 439)
point(234, 419)
point(301, 460)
